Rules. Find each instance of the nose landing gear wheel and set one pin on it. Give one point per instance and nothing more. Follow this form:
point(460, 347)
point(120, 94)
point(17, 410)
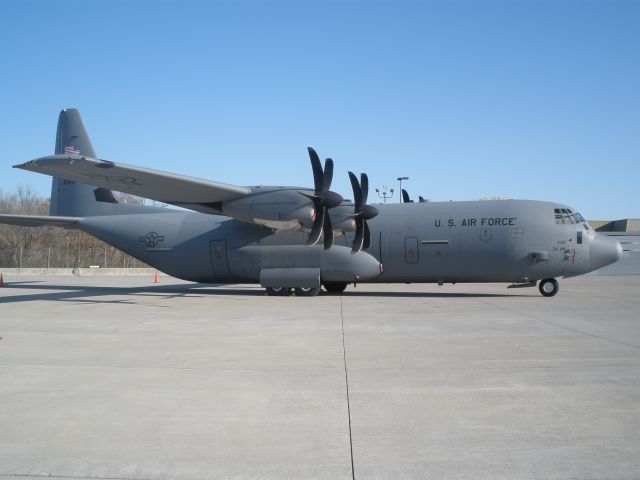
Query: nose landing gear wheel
point(278, 291)
point(549, 287)
point(307, 292)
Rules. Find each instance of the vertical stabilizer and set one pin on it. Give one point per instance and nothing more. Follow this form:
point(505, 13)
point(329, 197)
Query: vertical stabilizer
point(72, 137)
point(68, 198)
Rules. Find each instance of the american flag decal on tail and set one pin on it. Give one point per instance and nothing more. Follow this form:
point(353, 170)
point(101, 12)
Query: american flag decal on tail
point(72, 150)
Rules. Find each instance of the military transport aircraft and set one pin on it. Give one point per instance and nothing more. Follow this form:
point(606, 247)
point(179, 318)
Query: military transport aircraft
point(271, 234)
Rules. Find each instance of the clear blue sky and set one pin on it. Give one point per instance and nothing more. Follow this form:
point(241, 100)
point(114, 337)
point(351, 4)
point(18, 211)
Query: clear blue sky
point(527, 99)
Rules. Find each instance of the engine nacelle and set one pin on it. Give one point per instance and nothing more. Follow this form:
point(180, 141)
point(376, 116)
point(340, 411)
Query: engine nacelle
point(277, 208)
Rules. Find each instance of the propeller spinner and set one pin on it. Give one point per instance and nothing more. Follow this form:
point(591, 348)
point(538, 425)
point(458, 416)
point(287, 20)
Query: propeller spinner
point(323, 199)
point(362, 212)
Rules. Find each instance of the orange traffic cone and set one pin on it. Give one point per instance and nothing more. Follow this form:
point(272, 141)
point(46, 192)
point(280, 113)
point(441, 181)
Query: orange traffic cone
point(1, 281)
point(156, 280)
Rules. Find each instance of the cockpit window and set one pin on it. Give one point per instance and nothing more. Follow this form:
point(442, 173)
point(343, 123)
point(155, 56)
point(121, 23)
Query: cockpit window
point(566, 216)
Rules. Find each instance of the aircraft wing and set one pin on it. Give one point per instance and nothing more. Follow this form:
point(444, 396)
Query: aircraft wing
point(40, 220)
point(181, 190)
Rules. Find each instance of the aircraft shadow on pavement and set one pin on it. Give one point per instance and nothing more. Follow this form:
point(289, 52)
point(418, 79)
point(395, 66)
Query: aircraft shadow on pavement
point(92, 294)
point(428, 294)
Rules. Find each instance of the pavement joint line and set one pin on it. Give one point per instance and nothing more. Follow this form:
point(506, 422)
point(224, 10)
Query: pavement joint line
point(346, 382)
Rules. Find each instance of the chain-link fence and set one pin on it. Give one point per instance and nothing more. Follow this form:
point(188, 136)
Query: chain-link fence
point(71, 256)
point(63, 249)
point(50, 247)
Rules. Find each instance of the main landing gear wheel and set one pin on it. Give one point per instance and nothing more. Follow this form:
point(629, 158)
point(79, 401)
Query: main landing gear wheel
point(335, 287)
point(278, 291)
point(307, 292)
point(549, 287)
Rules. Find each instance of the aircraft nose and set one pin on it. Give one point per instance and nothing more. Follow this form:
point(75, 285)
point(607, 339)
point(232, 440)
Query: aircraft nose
point(604, 251)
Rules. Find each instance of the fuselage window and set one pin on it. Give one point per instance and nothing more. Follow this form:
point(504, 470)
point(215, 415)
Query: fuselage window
point(579, 238)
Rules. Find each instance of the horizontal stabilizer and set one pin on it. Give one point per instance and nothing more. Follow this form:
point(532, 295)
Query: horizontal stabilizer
point(164, 187)
point(40, 220)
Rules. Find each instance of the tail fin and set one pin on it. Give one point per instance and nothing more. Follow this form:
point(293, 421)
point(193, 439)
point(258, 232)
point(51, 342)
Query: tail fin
point(72, 138)
point(70, 198)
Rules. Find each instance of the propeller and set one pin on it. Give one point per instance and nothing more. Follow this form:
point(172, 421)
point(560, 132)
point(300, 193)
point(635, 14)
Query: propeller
point(323, 199)
point(362, 212)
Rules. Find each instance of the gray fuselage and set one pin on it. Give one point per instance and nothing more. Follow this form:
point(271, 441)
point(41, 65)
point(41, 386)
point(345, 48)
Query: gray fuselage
point(488, 241)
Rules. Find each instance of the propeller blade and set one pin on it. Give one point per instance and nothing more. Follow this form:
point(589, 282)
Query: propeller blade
point(318, 224)
point(362, 212)
point(367, 237)
point(364, 186)
point(323, 199)
point(328, 174)
point(328, 231)
point(359, 238)
point(357, 193)
point(318, 174)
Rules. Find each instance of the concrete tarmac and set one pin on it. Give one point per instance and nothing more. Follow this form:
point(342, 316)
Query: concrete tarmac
point(116, 378)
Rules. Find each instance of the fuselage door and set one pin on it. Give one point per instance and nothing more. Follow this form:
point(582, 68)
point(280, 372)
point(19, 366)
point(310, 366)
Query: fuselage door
point(411, 252)
point(219, 262)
